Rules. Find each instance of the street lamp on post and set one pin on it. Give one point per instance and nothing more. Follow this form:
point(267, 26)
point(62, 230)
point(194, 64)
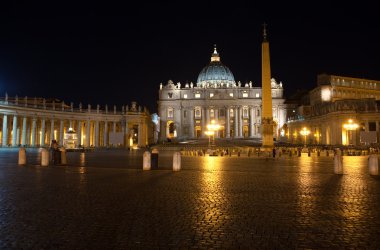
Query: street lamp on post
point(349, 126)
point(212, 128)
point(305, 132)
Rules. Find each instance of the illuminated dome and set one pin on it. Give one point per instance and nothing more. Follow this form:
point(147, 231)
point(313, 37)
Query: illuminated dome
point(215, 74)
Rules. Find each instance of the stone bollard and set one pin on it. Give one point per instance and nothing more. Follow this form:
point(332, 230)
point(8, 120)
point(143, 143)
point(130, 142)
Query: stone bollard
point(327, 153)
point(146, 160)
point(373, 165)
point(338, 163)
point(44, 157)
point(318, 153)
point(63, 156)
point(22, 156)
point(176, 161)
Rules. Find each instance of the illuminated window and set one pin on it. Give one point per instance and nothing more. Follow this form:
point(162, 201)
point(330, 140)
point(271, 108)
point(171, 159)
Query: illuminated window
point(211, 95)
point(245, 112)
point(198, 113)
point(185, 96)
point(197, 95)
point(245, 94)
point(170, 112)
point(232, 94)
point(257, 95)
point(212, 113)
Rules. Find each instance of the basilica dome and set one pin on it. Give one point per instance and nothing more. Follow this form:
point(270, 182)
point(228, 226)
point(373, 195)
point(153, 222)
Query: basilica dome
point(215, 74)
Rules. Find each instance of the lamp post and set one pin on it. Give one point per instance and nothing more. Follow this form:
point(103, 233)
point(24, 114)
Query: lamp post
point(305, 132)
point(349, 126)
point(212, 128)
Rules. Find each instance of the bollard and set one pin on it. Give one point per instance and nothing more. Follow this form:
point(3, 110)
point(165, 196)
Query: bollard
point(154, 159)
point(63, 156)
point(146, 161)
point(327, 153)
point(22, 156)
point(338, 163)
point(176, 161)
point(44, 157)
point(318, 153)
point(373, 165)
point(308, 153)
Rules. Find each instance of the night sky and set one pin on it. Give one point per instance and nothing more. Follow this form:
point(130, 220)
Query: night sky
point(114, 54)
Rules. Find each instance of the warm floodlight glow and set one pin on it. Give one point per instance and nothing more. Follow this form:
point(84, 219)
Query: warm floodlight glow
point(326, 94)
point(211, 129)
point(349, 127)
point(305, 132)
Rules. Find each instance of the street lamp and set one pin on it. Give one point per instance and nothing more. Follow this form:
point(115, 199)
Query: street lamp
point(349, 127)
point(305, 133)
point(212, 128)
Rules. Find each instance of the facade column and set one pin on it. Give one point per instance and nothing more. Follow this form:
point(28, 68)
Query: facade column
point(34, 123)
point(251, 122)
point(42, 140)
point(236, 127)
point(227, 122)
point(178, 121)
point(79, 132)
point(139, 141)
point(97, 134)
point(203, 129)
point(240, 118)
point(5, 131)
point(126, 132)
point(191, 129)
point(52, 137)
point(61, 132)
point(208, 116)
point(88, 136)
point(216, 118)
point(114, 127)
point(105, 135)
point(23, 136)
point(14, 131)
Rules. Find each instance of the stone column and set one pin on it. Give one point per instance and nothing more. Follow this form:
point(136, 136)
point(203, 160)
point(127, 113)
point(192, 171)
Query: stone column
point(42, 140)
point(88, 136)
point(139, 141)
point(97, 134)
point(52, 130)
point(240, 122)
point(251, 121)
point(79, 132)
point(208, 116)
point(34, 123)
point(114, 127)
point(105, 134)
point(5, 131)
point(203, 129)
point(236, 127)
point(23, 136)
point(227, 122)
point(216, 118)
point(191, 129)
point(14, 131)
point(61, 132)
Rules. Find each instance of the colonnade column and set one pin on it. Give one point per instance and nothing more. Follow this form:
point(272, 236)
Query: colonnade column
point(23, 136)
point(14, 131)
point(191, 123)
point(139, 135)
point(42, 139)
point(34, 123)
point(88, 126)
point(61, 132)
point(105, 135)
point(251, 121)
point(79, 132)
point(114, 127)
point(227, 122)
point(97, 134)
point(5, 131)
point(236, 128)
point(126, 137)
point(52, 137)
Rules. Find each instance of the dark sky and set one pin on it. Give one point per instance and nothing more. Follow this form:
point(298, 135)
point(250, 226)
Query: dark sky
point(104, 53)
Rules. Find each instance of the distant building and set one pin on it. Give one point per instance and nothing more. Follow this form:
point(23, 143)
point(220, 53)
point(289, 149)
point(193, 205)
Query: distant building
point(36, 122)
point(185, 110)
point(339, 111)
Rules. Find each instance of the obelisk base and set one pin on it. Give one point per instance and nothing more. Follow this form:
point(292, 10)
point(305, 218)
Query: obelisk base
point(267, 134)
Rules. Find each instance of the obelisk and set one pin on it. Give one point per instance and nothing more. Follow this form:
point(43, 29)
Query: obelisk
point(267, 115)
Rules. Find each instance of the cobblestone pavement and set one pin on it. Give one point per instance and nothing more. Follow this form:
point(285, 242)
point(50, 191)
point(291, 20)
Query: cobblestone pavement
point(103, 200)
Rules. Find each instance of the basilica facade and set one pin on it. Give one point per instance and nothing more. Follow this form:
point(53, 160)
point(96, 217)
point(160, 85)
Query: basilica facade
point(185, 110)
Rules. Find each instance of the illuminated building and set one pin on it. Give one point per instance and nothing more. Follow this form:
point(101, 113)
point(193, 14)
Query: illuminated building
point(186, 109)
point(340, 110)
